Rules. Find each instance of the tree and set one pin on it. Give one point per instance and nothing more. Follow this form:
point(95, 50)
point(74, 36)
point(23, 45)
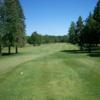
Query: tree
point(96, 16)
point(20, 26)
point(89, 35)
point(72, 36)
point(1, 23)
point(14, 20)
point(35, 38)
point(79, 28)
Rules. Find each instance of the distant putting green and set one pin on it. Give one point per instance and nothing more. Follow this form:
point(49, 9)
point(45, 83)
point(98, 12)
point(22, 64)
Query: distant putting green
point(50, 72)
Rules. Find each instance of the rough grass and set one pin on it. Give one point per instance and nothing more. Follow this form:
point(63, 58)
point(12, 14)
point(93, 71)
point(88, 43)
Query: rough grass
point(50, 72)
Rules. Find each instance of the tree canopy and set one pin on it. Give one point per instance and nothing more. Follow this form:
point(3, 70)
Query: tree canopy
point(86, 33)
point(12, 21)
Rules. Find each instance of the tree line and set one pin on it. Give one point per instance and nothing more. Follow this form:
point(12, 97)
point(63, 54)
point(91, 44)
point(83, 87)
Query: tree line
point(12, 27)
point(86, 33)
point(37, 39)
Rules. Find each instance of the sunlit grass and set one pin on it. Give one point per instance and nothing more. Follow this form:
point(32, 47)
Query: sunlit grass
point(49, 72)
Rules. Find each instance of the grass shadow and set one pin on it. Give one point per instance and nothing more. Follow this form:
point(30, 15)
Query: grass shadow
point(8, 54)
point(74, 51)
point(95, 53)
point(15, 54)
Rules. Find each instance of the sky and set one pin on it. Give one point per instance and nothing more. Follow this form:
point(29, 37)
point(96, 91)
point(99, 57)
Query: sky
point(53, 17)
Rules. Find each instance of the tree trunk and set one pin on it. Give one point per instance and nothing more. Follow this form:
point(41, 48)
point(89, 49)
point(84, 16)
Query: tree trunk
point(0, 49)
point(16, 49)
point(96, 44)
point(89, 48)
point(9, 49)
point(81, 47)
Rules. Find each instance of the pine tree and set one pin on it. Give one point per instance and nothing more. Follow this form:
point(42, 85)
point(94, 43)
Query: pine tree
point(79, 28)
point(0, 26)
point(15, 27)
point(1, 23)
point(72, 36)
point(20, 26)
point(10, 19)
point(89, 35)
point(96, 16)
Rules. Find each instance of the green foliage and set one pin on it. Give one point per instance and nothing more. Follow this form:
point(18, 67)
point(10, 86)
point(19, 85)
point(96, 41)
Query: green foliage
point(79, 25)
point(96, 16)
point(1, 23)
point(97, 12)
point(86, 34)
point(89, 30)
point(72, 35)
point(79, 29)
point(37, 39)
point(89, 37)
point(20, 35)
point(12, 19)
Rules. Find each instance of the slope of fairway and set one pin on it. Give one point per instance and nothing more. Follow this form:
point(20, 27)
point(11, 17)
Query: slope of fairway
point(50, 72)
point(28, 53)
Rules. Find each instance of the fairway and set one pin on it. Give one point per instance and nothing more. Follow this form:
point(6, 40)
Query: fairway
point(50, 72)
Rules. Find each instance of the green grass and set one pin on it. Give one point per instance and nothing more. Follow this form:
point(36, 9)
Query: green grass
point(50, 72)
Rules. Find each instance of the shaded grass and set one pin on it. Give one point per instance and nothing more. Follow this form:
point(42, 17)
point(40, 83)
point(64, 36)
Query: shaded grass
point(55, 76)
point(95, 54)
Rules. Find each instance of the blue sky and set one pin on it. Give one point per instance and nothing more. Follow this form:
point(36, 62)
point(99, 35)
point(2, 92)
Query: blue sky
point(53, 17)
